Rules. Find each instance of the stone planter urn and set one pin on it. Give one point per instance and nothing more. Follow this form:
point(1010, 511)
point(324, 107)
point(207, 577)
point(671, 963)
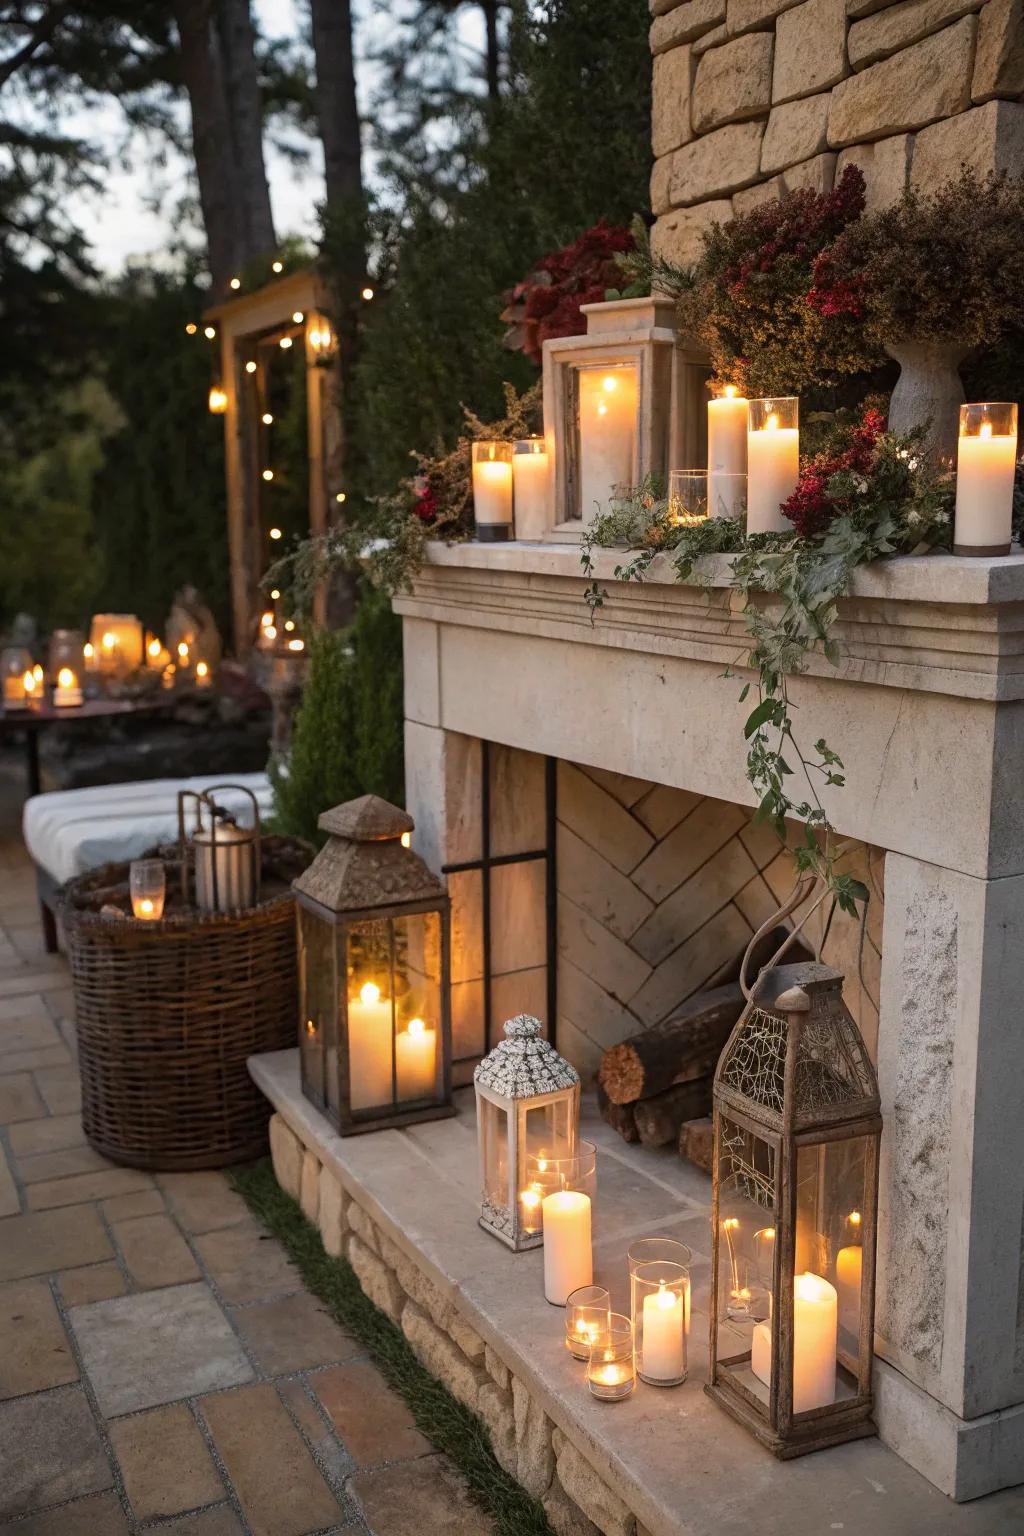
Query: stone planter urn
point(929, 392)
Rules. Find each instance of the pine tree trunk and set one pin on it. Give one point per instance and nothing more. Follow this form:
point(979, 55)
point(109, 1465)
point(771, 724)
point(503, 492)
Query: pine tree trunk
point(336, 101)
point(245, 112)
point(493, 56)
point(211, 139)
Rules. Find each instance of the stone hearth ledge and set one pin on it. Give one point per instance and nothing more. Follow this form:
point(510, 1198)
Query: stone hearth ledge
point(402, 1205)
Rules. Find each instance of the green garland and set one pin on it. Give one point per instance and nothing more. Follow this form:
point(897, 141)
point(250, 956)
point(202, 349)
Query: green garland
point(901, 506)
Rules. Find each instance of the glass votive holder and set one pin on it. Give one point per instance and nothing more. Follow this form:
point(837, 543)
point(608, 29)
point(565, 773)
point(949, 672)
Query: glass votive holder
point(661, 1250)
point(658, 1295)
point(147, 883)
point(492, 491)
point(688, 497)
point(727, 494)
point(985, 467)
point(748, 1295)
point(587, 1311)
point(611, 1374)
point(548, 1172)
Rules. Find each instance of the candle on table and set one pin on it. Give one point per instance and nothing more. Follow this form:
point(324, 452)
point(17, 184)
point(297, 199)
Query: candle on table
point(587, 1316)
point(815, 1323)
point(369, 1048)
point(157, 656)
point(568, 1258)
point(416, 1060)
point(663, 1353)
point(608, 399)
point(89, 654)
point(530, 1201)
point(492, 491)
point(849, 1264)
point(147, 884)
point(773, 462)
point(986, 462)
point(183, 655)
point(203, 678)
point(530, 487)
point(117, 641)
point(67, 693)
point(727, 453)
point(30, 686)
point(611, 1372)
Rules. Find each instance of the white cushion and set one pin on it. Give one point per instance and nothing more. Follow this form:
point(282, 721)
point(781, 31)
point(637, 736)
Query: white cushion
point(71, 830)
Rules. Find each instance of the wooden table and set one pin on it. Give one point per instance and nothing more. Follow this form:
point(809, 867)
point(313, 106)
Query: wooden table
point(37, 717)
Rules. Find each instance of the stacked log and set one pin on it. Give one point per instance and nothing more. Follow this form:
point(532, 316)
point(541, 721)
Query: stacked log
point(653, 1087)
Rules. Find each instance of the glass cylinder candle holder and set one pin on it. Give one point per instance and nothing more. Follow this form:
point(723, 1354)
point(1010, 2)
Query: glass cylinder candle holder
point(658, 1293)
point(608, 401)
point(67, 692)
point(16, 666)
point(611, 1373)
point(66, 649)
point(661, 1250)
point(986, 462)
point(530, 486)
point(773, 461)
point(492, 491)
point(688, 497)
point(727, 454)
point(566, 1214)
point(587, 1311)
point(147, 882)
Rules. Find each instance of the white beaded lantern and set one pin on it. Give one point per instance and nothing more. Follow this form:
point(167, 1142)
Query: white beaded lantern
point(528, 1115)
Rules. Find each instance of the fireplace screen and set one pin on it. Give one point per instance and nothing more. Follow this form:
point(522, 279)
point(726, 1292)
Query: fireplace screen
point(503, 902)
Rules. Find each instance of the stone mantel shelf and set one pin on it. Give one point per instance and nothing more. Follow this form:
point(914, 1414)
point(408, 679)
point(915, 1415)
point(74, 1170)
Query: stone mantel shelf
point(676, 1460)
point(933, 623)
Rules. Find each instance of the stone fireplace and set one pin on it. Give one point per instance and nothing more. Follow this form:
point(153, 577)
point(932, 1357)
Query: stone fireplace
point(659, 877)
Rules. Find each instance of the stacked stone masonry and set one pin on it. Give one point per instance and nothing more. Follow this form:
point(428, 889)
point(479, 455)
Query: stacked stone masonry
point(576, 1499)
point(754, 98)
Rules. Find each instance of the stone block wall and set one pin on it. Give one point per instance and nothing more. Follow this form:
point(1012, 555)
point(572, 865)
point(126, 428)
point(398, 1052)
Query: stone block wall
point(525, 1441)
point(659, 891)
point(754, 98)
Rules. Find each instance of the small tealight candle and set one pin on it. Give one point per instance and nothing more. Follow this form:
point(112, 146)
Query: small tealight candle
point(773, 462)
point(986, 463)
point(147, 883)
point(203, 678)
point(587, 1312)
point(492, 491)
point(157, 656)
point(67, 694)
point(611, 1374)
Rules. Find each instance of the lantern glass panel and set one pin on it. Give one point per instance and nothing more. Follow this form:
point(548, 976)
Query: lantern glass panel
point(606, 411)
point(748, 1220)
point(393, 1003)
point(318, 1028)
point(497, 1174)
point(832, 1194)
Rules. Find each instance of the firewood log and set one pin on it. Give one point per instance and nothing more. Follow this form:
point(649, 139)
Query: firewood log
point(619, 1116)
point(658, 1119)
point(695, 1142)
point(649, 1063)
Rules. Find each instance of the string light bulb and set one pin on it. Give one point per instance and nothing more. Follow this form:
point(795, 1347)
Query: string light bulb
point(202, 669)
point(218, 400)
point(88, 650)
point(235, 283)
point(250, 366)
point(268, 474)
point(275, 533)
point(277, 266)
point(209, 331)
point(267, 619)
point(266, 418)
point(275, 592)
point(340, 496)
point(270, 630)
point(367, 293)
point(296, 645)
point(191, 328)
point(285, 343)
point(298, 317)
point(289, 624)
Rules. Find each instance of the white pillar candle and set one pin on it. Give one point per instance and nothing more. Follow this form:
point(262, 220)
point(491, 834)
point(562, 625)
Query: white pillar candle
point(369, 1049)
point(607, 412)
point(773, 463)
point(416, 1060)
point(492, 490)
point(568, 1257)
point(530, 485)
point(67, 694)
point(986, 462)
point(849, 1262)
point(663, 1353)
point(727, 453)
point(815, 1323)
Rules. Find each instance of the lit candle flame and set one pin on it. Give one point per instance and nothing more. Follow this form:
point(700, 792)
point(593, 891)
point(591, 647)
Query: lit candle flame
point(65, 678)
point(87, 651)
point(146, 907)
point(202, 670)
point(417, 1027)
point(985, 430)
point(183, 650)
point(154, 647)
point(369, 993)
point(772, 423)
point(28, 682)
point(108, 641)
point(610, 383)
point(730, 391)
point(406, 839)
point(854, 1218)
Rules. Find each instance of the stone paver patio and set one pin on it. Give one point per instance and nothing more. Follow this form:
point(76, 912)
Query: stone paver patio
point(161, 1365)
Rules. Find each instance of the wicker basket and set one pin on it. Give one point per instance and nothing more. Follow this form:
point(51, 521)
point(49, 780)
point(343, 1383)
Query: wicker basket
point(168, 1012)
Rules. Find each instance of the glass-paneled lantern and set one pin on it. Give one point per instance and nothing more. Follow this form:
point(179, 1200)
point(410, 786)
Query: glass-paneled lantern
point(528, 1117)
point(374, 1015)
point(795, 1192)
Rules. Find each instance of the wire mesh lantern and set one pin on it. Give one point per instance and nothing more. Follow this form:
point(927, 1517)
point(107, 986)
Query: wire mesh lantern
point(528, 1119)
point(374, 1019)
point(795, 1194)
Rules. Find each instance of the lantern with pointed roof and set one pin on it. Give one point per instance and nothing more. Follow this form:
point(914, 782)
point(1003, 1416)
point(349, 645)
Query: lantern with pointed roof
point(794, 1213)
point(374, 1013)
point(528, 1121)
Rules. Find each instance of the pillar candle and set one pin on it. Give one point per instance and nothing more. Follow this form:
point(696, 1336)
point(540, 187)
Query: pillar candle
point(416, 1060)
point(608, 410)
point(815, 1308)
point(663, 1354)
point(568, 1257)
point(986, 461)
point(773, 463)
point(492, 490)
point(67, 693)
point(530, 487)
point(369, 1049)
point(727, 453)
point(848, 1274)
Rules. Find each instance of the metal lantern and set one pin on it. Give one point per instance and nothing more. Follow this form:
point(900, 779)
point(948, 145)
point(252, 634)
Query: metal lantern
point(795, 1194)
point(374, 1012)
point(528, 1117)
point(225, 857)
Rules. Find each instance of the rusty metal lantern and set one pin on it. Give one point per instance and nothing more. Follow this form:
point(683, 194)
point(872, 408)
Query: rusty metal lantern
point(374, 944)
point(794, 1212)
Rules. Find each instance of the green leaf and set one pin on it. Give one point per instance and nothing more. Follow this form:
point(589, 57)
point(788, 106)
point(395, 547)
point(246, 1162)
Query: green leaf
point(758, 716)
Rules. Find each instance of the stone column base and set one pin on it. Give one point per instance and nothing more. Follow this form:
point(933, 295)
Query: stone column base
point(965, 1458)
